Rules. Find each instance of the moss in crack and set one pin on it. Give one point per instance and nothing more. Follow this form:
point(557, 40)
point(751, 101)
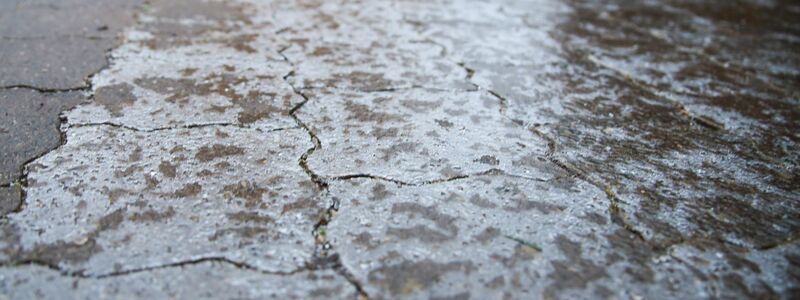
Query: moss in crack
point(618, 214)
point(524, 243)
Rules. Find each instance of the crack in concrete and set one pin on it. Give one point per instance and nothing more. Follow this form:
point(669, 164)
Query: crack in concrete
point(65, 36)
point(389, 89)
point(405, 88)
point(187, 126)
point(386, 89)
point(503, 101)
point(395, 181)
point(303, 161)
point(22, 181)
point(470, 72)
point(342, 270)
point(616, 213)
point(334, 261)
point(779, 244)
point(85, 88)
point(323, 246)
point(489, 172)
point(315, 265)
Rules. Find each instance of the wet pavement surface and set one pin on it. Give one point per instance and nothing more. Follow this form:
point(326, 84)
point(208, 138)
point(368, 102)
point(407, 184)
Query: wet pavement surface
point(547, 149)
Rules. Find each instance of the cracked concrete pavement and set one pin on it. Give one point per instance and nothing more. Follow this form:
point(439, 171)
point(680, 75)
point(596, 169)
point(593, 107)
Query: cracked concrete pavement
point(547, 149)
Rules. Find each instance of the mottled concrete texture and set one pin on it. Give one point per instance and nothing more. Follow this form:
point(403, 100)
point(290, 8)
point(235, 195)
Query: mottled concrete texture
point(204, 280)
point(545, 149)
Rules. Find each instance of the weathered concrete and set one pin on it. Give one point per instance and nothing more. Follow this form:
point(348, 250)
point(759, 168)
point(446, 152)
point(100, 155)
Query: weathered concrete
point(128, 200)
point(204, 280)
point(489, 237)
point(417, 135)
point(555, 149)
point(360, 46)
point(218, 69)
point(700, 151)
